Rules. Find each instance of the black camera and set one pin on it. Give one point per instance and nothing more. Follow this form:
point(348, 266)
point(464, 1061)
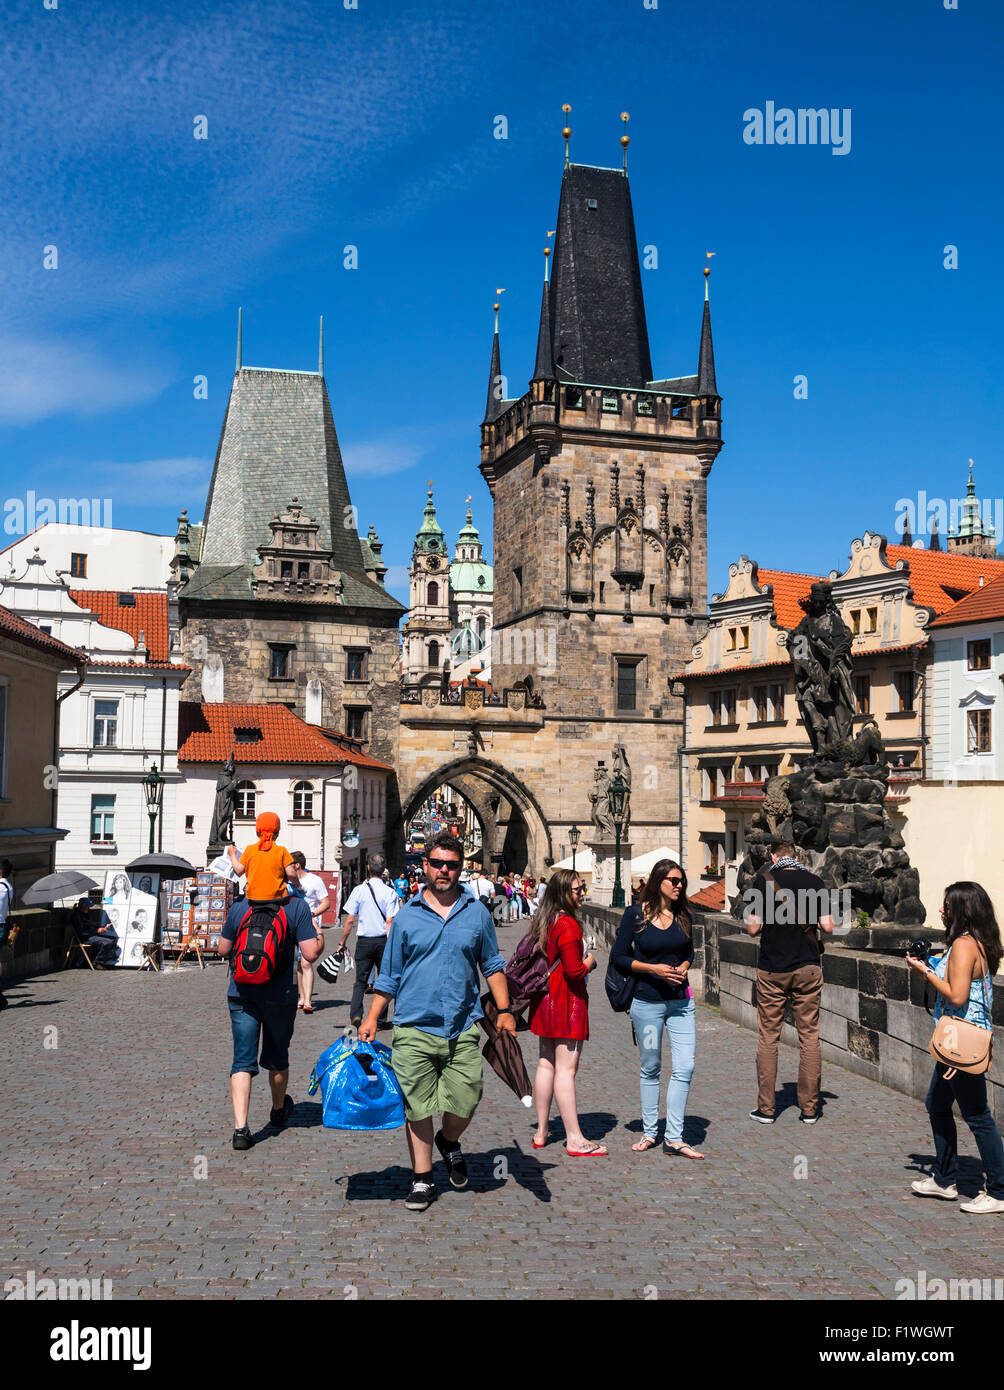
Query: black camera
point(918, 949)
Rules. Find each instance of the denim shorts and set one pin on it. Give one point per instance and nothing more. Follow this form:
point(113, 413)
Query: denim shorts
point(270, 1021)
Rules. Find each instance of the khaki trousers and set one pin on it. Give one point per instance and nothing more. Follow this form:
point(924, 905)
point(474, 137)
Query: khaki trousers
point(804, 987)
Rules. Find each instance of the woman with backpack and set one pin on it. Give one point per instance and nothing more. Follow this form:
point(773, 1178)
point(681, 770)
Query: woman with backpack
point(560, 1017)
point(963, 981)
point(655, 945)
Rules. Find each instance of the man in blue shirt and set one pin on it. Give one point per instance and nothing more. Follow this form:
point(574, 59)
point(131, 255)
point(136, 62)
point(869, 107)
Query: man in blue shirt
point(266, 1012)
point(437, 944)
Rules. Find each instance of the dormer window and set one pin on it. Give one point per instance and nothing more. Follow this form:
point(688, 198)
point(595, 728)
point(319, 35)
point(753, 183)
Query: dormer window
point(249, 735)
point(285, 569)
point(573, 398)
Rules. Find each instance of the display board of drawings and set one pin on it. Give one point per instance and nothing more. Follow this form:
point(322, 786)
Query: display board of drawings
point(129, 908)
point(200, 913)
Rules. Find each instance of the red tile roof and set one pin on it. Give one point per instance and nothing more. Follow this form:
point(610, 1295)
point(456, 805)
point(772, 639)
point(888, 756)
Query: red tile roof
point(149, 616)
point(711, 898)
point(206, 734)
point(981, 605)
point(18, 629)
point(934, 572)
point(788, 589)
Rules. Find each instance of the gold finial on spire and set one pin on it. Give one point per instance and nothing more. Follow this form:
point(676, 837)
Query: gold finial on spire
point(496, 306)
point(707, 270)
point(430, 489)
point(625, 138)
point(566, 134)
point(469, 509)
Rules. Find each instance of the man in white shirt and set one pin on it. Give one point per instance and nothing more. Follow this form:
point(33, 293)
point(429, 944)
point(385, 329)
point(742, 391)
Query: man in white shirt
point(315, 890)
point(6, 903)
point(482, 888)
point(371, 908)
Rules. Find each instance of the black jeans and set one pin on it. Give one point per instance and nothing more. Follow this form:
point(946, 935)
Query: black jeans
point(971, 1093)
point(369, 953)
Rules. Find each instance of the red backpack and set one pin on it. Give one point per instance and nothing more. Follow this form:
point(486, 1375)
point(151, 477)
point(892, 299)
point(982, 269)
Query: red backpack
point(262, 946)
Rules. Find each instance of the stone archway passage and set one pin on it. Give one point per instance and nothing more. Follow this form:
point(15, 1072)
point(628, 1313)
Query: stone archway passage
point(517, 821)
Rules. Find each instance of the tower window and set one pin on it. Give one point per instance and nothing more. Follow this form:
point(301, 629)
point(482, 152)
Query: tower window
point(285, 569)
point(355, 666)
point(591, 205)
point(279, 662)
point(433, 654)
point(433, 593)
point(627, 685)
point(78, 566)
point(355, 722)
point(517, 575)
point(573, 398)
point(303, 569)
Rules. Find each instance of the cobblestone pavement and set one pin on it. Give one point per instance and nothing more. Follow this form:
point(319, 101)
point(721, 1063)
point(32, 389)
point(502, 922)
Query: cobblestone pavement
point(104, 1134)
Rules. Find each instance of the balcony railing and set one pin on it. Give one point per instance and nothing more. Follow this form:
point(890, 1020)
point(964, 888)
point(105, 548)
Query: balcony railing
point(742, 791)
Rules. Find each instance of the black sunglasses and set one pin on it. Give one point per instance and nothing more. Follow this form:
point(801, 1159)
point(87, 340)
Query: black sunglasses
point(671, 879)
point(452, 864)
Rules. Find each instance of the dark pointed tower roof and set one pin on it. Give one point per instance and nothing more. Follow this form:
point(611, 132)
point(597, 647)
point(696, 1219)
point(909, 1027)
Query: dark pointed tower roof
point(543, 368)
point(596, 308)
point(493, 405)
point(935, 541)
point(706, 354)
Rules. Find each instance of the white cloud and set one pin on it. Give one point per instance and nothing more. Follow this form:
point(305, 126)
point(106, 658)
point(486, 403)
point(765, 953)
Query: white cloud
point(40, 377)
point(391, 453)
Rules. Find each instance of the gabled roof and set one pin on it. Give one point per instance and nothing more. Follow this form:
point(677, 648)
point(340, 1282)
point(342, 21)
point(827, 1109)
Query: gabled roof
point(712, 898)
point(597, 311)
point(207, 734)
point(981, 606)
point(939, 579)
point(18, 629)
point(788, 589)
point(147, 614)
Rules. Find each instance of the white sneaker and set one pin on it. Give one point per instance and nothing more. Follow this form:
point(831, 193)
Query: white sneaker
point(927, 1187)
point(983, 1203)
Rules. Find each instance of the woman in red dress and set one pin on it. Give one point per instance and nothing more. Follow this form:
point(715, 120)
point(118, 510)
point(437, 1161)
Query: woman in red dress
point(560, 1018)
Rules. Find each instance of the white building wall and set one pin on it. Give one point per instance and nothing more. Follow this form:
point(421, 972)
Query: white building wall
point(116, 559)
point(955, 689)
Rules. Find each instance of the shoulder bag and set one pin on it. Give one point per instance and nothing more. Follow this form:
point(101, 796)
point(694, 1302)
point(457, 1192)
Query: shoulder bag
point(963, 1046)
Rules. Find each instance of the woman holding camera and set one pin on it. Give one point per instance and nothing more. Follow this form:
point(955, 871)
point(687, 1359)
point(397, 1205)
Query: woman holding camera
point(963, 982)
point(655, 944)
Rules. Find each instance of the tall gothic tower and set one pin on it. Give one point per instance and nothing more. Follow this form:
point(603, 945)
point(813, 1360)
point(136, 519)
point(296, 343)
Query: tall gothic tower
point(598, 474)
point(974, 536)
point(426, 634)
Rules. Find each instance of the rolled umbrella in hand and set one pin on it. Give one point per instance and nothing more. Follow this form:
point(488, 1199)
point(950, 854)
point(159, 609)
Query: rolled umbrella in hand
point(503, 1054)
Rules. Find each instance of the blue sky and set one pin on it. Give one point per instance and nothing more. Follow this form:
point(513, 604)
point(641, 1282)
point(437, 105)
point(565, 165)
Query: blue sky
point(375, 127)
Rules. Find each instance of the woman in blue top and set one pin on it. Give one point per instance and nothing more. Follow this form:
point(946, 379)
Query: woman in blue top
point(964, 985)
point(655, 944)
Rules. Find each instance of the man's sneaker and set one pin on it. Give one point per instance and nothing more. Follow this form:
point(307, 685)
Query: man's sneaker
point(278, 1119)
point(983, 1203)
point(927, 1187)
point(242, 1138)
point(809, 1119)
point(422, 1193)
point(761, 1118)
point(454, 1160)
point(356, 1021)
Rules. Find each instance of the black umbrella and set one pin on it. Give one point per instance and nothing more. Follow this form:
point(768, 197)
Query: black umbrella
point(167, 865)
point(54, 887)
point(503, 1053)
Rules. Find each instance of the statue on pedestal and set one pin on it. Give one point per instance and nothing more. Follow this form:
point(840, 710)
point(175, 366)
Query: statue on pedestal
point(623, 767)
point(821, 655)
point(599, 799)
point(221, 832)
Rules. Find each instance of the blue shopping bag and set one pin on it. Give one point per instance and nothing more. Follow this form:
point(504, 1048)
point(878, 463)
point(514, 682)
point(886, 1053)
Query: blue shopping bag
point(358, 1087)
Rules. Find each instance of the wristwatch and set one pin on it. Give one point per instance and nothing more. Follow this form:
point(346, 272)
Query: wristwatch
point(504, 1011)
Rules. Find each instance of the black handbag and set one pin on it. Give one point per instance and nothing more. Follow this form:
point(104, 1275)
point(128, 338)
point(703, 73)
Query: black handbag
point(620, 988)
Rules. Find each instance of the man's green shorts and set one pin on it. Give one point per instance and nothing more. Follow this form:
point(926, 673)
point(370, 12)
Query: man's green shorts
point(436, 1074)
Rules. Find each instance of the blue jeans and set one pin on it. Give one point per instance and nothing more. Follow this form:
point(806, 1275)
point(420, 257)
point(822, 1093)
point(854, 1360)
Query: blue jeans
point(678, 1017)
point(971, 1093)
point(270, 1021)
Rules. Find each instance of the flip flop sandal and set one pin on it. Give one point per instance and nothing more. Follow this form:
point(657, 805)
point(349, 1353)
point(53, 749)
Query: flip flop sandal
point(598, 1152)
point(645, 1143)
point(677, 1150)
point(540, 1145)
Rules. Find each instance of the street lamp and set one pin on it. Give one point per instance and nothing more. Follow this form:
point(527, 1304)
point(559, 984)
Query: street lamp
point(153, 790)
point(618, 796)
point(573, 839)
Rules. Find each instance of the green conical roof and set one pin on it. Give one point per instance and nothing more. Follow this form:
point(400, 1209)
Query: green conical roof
point(429, 536)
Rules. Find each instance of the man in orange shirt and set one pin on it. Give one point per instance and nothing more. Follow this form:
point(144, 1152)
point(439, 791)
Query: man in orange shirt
point(266, 863)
